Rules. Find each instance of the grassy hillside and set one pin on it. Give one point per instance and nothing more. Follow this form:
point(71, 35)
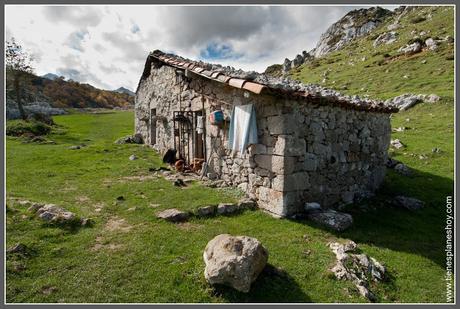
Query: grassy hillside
point(144, 259)
point(381, 72)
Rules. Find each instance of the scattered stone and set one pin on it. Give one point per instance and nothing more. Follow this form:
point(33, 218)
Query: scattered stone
point(179, 183)
point(206, 211)
point(411, 49)
point(436, 150)
point(391, 163)
point(431, 44)
point(396, 143)
point(423, 61)
point(173, 215)
point(399, 129)
point(432, 98)
point(247, 203)
point(47, 290)
point(403, 169)
point(235, 261)
point(19, 248)
point(130, 139)
point(385, 38)
point(409, 203)
point(86, 222)
point(132, 157)
point(74, 147)
point(309, 207)
point(337, 221)
point(226, 208)
point(358, 268)
point(120, 198)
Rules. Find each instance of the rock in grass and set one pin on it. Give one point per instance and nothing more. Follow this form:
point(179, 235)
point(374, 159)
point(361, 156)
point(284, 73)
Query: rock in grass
point(358, 268)
point(397, 144)
point(56, 215)
point(132, 157)
point(409, 203)
point(173, 215)
point(403, 169)
point(337, 221)
point(226, 208)
point(235, 261)
point(247, 203)
point(206, 211)
point(19, 248)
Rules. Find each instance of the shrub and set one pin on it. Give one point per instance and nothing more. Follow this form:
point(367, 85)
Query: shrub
point(21, 127)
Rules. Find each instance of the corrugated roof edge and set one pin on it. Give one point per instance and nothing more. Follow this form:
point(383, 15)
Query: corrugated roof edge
point(258, 88)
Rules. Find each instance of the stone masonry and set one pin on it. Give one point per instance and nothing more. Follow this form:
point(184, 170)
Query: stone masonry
point(307, 152)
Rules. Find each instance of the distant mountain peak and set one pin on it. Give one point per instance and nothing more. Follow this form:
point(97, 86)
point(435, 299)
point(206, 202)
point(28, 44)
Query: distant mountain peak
point(125, 90)
point(50, 76)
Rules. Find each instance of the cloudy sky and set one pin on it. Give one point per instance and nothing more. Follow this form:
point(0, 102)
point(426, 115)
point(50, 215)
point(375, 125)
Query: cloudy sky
point(106, 46)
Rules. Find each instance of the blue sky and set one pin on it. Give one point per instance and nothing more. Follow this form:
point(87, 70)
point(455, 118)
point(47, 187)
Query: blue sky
point(106, 46)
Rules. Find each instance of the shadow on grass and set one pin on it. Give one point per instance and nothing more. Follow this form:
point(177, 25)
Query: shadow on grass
point(421, 232)
point(273, 285)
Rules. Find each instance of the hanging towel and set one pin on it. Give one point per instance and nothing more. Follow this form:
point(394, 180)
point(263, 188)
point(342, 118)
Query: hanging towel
point(243, 128)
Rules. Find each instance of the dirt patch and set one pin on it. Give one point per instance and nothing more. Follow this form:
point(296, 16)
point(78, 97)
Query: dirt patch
point(116, 224)
point(141, 178)
point(99, 206)
point(187, 226)
point(82, 199)
point(100, 245)
point(47, 290)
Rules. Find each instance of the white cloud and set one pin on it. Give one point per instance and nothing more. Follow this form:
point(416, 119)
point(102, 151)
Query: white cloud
point(107, 45)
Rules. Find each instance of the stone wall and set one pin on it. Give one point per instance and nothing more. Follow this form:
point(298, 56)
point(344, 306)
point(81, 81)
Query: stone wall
point(306, 152)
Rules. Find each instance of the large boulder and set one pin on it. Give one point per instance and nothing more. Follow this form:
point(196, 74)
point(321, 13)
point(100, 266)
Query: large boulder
point(234, 261)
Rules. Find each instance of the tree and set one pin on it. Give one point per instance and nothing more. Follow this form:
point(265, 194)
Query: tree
point(18, 66)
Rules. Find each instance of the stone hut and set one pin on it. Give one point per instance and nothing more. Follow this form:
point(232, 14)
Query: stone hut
point(312, 145)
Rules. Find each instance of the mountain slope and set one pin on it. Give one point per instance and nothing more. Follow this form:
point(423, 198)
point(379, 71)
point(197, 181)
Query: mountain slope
point(125, 90)
point(382, 71)
point(67, 94)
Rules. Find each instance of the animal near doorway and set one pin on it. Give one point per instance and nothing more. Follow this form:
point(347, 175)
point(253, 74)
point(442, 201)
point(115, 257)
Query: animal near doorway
point(189, 135)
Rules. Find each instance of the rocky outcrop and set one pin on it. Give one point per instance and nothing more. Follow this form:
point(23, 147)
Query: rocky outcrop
point(386, 38)
point(296, 62)
point(357, 268)
point(337, 221)
point(353, 25)
point(173, 215)
point(38, 107)
point(408, 100)
point(55, 215)
point(235, 261)
point(408, 203)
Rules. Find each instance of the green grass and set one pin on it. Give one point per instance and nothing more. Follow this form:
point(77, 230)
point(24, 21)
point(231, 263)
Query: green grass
point(359, 68)
point(156, 261)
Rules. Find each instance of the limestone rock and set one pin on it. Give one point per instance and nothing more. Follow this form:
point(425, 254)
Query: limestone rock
point(396, 143)
point(234, 261)
point(385, 38)
point(247, 203)
point(226, 208)
point(403, 169)
point(54, 214)
point(173, 215)
point(358, 268)
point(206, 211)
point(409, 203)
point(410, 49)
point(337, 221)
point(132, 157)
